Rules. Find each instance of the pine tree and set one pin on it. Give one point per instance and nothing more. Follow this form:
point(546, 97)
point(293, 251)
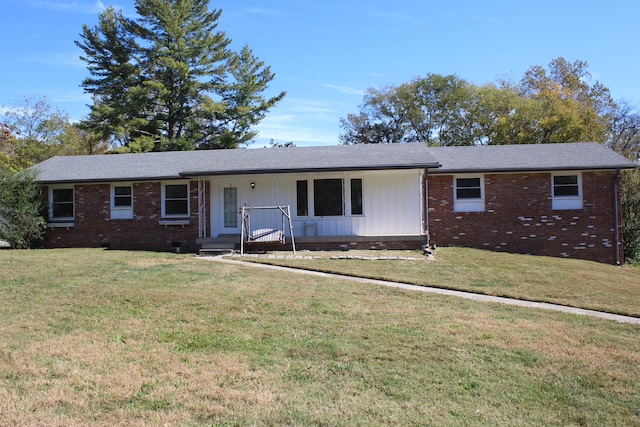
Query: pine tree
point(167, 80)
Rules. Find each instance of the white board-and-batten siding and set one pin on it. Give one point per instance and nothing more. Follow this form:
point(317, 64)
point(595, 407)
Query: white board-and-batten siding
point(392, 203)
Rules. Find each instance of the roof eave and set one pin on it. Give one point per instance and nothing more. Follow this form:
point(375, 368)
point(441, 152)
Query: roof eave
point(517, 170)
point(191, 174)
point(106, 180)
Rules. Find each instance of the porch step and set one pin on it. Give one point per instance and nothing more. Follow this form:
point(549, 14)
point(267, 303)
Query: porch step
point(223, 244)
point(214, 251)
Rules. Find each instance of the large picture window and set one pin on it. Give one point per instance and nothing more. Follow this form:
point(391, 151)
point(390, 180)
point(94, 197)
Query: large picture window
point(176, 200)
point(61, 200)
point(328, 197)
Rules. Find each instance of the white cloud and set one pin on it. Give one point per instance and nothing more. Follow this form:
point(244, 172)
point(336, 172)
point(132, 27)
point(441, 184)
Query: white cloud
point(268, 12)
point(73, 6)
point(344, 89)
point(59, 59)
point(302, 121)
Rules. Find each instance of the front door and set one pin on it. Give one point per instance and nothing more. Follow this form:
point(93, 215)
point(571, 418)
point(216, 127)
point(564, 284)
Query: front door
point(230, 217)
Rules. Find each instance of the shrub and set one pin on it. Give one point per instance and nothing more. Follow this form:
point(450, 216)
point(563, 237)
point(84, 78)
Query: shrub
point(21, 221)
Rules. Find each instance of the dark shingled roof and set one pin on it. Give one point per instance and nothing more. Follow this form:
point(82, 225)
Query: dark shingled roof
point(174, 165)
point(178, 164)
point(534, 157)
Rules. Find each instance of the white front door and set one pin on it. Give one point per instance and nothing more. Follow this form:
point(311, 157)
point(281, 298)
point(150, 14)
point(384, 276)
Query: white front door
point(230, 210)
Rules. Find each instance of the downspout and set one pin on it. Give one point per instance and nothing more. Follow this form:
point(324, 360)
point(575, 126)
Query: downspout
point(426, 207)
point(616, 214)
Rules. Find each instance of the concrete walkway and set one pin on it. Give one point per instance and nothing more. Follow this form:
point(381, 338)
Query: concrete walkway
point(460, 294)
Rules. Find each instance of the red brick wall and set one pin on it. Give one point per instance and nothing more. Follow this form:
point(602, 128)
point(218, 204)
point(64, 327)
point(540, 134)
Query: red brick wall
point(518, 217)
point(93, 226)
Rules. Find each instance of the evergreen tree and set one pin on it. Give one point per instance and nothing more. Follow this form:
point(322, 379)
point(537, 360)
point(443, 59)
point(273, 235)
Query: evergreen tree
point(167, 79)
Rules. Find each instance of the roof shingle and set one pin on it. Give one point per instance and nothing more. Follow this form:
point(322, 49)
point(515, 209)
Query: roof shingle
point(175, 165)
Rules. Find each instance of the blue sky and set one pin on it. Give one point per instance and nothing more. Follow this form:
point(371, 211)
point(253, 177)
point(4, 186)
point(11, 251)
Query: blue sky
point(326, 53)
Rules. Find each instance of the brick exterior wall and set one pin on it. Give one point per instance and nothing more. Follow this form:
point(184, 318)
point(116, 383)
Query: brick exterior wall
point(519, 218)
point(93, 226)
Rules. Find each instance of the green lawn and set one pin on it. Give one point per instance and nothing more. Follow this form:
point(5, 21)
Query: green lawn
point(573, 283)
point(94, 337)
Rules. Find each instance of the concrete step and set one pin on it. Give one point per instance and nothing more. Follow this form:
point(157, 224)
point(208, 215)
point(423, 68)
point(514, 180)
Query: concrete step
point(219, 245)
point(214, 251)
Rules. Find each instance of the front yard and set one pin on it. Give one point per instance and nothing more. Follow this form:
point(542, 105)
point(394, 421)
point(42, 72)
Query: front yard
point(94, 337)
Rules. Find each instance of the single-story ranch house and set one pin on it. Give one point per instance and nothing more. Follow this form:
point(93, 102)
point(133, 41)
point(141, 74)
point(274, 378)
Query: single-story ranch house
point(550, 199)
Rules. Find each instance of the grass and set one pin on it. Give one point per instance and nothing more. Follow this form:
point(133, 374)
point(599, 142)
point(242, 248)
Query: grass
point(567, 282)
point(93, 337)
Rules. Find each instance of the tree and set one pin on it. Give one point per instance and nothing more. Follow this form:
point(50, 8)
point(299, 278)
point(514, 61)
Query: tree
point(630, 198)
point(34, 131)
point(21, 222)
point(243, 102)
point(624, 137)
point(570, 109)
point(624, 132)
point(433, 109)
point(169, 78)
point(115, 82)
point(558, 105)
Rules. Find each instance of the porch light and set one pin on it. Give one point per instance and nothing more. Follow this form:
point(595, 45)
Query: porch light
point(253, 186)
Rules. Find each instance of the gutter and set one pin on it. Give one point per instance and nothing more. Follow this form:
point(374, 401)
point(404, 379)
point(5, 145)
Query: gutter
point(616, 221)
point(426, 207)
point(527, 169)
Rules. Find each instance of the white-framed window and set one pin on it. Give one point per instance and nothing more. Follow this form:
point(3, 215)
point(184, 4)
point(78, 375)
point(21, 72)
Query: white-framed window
point(330, 196)
point(356, 196)
point(61, 203)
point(175, 199)
point(302, 197)
point(468, 193)
point(566, 190)
point(121, 201)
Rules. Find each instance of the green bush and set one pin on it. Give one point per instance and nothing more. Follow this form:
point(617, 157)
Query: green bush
point(21, 221)
point(630, 194)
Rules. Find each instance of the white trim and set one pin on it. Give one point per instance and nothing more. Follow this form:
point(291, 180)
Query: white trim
point(346, 178)
point(467, 204)
point(181, 182)
point(62, 187)
point(566, 202)
point(121, 212)
point(348, 196)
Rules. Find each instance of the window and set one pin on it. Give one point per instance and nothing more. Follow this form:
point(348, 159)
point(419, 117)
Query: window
point(230, 207)
point(566, 191)
point(327, 197)
point(356, 196)
point(302, 198)
point(122, 197)
point(468, 194)
point(61, 200)
point(121, 202)
point(176, 200)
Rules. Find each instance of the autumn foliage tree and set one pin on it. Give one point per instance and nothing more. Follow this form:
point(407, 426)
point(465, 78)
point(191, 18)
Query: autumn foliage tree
point(545, 106)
